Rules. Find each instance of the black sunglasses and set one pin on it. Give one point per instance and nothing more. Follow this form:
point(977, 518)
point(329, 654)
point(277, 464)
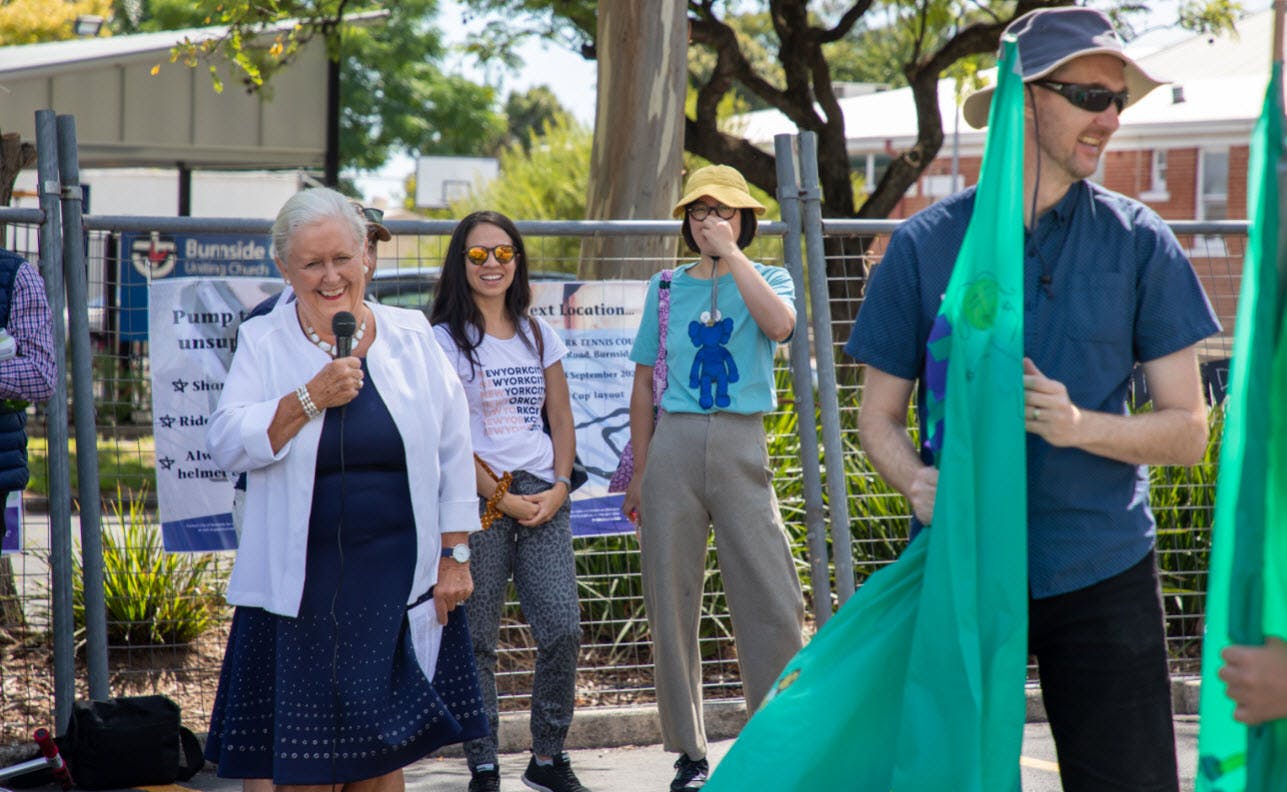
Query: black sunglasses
point(699, 211)
point(1088, 97)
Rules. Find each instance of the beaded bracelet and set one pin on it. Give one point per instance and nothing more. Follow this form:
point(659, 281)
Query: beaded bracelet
point(306, 401)
point(493, 512)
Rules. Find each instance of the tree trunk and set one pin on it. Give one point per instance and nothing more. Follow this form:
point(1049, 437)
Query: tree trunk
point(14, 156)
point(637, 161)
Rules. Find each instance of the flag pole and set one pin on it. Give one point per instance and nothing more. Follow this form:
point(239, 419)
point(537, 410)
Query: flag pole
point(1276, 45)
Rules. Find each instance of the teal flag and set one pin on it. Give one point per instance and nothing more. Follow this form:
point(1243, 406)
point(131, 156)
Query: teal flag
point(918, 682)
point(1246, 592)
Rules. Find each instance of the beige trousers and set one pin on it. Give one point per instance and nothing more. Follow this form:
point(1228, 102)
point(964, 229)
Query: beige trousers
point(703, 470)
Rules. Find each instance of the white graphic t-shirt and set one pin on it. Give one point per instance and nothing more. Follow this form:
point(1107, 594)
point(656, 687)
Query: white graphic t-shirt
point(506, 394)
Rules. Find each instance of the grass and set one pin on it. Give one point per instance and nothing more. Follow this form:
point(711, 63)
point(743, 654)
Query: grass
point(124, 462)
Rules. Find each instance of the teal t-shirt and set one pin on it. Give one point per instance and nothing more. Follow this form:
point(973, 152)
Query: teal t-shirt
point(727, 367)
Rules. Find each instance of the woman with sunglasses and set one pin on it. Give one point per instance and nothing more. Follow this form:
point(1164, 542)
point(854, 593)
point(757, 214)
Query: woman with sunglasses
point(705, 461)
point(510, 364)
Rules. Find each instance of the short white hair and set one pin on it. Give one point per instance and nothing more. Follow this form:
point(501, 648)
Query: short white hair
point(308, 207)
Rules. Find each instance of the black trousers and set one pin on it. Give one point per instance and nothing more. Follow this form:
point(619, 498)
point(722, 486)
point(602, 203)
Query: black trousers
point(1101, 652)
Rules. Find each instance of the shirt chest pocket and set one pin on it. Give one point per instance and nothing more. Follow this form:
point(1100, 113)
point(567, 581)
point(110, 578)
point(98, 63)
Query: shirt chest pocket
point(1102, 311)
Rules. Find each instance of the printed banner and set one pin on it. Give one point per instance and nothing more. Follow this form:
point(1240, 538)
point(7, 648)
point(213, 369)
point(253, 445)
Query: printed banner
point(598, 321)
point(12, 541)
point(193, 332)
point(147, 258)
point(193, 336)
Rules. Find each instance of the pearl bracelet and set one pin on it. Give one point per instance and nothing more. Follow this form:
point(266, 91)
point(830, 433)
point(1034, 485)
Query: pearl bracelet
point(306, 401)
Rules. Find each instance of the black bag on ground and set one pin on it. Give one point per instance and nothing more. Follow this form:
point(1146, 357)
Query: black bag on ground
point(128, 742)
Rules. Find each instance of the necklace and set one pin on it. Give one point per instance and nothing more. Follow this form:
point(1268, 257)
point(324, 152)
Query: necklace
point(330, 348)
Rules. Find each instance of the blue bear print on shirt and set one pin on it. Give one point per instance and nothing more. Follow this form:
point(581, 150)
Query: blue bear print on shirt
point(713, 364)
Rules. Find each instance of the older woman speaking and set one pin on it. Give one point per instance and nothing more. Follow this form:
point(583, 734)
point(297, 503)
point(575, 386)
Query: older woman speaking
point(354, 549)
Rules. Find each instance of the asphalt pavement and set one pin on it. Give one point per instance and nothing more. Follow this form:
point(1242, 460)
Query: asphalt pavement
point(647, 768)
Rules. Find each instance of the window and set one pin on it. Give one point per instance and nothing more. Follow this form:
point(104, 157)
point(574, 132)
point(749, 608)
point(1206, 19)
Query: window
point(1212, 200)
point(1213, 204)
point(941, 186)
point(1157, 189)
point(873, 167)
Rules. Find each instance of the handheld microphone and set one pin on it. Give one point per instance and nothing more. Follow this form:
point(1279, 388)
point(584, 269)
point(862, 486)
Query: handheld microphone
point(343, 325)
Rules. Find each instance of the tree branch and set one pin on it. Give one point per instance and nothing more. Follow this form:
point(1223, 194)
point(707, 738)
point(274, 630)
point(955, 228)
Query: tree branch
point(846, 23)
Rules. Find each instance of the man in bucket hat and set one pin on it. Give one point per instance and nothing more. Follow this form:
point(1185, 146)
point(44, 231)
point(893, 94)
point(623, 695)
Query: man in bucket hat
point(1106, 286)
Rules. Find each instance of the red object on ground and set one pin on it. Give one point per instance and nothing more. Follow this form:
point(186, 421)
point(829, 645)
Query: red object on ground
point(55, 761)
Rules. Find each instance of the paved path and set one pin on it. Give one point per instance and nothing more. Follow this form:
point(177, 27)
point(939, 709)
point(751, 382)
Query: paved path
point(648, 768)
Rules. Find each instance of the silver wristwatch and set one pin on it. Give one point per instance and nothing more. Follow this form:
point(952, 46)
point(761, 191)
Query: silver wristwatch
point(459, 553)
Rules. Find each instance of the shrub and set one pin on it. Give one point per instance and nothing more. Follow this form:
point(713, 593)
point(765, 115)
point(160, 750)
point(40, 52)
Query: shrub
point(152, 597)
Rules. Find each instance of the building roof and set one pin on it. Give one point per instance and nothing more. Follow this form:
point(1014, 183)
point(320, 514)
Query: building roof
point(126, 116)
point(1245, 51)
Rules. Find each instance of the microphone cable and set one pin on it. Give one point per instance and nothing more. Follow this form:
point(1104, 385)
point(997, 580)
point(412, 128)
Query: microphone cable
point(342, 326)
point(335, 596)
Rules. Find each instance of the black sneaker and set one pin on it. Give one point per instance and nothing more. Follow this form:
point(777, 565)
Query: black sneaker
point(557, 777)
point(690, 774)
point(485, 779)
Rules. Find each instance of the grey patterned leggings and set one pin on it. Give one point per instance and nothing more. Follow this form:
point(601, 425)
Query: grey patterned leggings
point(544, 571)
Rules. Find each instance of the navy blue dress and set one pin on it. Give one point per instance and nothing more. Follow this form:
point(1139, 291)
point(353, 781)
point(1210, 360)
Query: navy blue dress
point(335, 694)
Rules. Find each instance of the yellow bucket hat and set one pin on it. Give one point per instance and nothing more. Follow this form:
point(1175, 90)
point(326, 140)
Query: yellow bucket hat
point(720, 182)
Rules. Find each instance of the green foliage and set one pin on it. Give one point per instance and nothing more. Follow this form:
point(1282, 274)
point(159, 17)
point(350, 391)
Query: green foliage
point(571, 23)
point(548, 181)
point(32, 21)
point(528, 114)
point(1183, 502)
point(393, 95)
point(152, 598)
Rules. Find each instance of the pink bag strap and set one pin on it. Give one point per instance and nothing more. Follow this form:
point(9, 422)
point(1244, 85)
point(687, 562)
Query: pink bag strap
point(659, 368)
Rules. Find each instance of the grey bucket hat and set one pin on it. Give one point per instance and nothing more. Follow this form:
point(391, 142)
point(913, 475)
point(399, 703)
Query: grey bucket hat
point(1049, 38)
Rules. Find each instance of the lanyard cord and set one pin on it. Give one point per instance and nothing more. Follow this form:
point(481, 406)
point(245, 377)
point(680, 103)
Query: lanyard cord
point(713, 316)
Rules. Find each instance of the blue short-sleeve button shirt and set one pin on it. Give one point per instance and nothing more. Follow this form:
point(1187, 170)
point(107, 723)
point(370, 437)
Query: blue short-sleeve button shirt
point(1106, 285)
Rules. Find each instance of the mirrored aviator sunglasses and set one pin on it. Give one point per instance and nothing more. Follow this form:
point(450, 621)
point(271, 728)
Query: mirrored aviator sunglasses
point(1092, 98)
point(477, 254)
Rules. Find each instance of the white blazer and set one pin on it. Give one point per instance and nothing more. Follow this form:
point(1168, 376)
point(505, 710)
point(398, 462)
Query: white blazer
point(423, 394)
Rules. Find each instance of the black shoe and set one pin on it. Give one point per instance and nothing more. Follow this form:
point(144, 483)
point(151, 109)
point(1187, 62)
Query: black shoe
point(557, 777)
point(485, 780)
point(690, 774)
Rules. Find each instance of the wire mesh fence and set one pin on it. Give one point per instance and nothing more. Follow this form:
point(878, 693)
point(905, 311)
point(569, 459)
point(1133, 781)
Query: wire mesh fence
point(1182, 498)
point(167, 623)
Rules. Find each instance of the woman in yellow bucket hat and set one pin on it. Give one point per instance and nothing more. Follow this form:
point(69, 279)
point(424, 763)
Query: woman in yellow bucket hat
point(703, 460)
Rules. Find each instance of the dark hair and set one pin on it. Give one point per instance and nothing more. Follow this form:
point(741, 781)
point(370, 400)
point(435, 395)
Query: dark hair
point(744, 239)
point(453, 301)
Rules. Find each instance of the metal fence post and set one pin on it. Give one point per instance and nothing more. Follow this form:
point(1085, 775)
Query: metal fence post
point(60, 547)
point(802, 382)
point(828, 399)
point(91, 537)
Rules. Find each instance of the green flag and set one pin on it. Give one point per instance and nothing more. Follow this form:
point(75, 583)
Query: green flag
point(917, 683)
point(1246, 595)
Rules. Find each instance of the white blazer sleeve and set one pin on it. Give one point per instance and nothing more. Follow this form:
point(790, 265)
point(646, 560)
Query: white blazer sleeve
point(238, 431)
point(457, 486)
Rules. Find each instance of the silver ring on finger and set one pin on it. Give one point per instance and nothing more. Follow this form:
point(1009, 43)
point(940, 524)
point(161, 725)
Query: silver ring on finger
point(1036, 413)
